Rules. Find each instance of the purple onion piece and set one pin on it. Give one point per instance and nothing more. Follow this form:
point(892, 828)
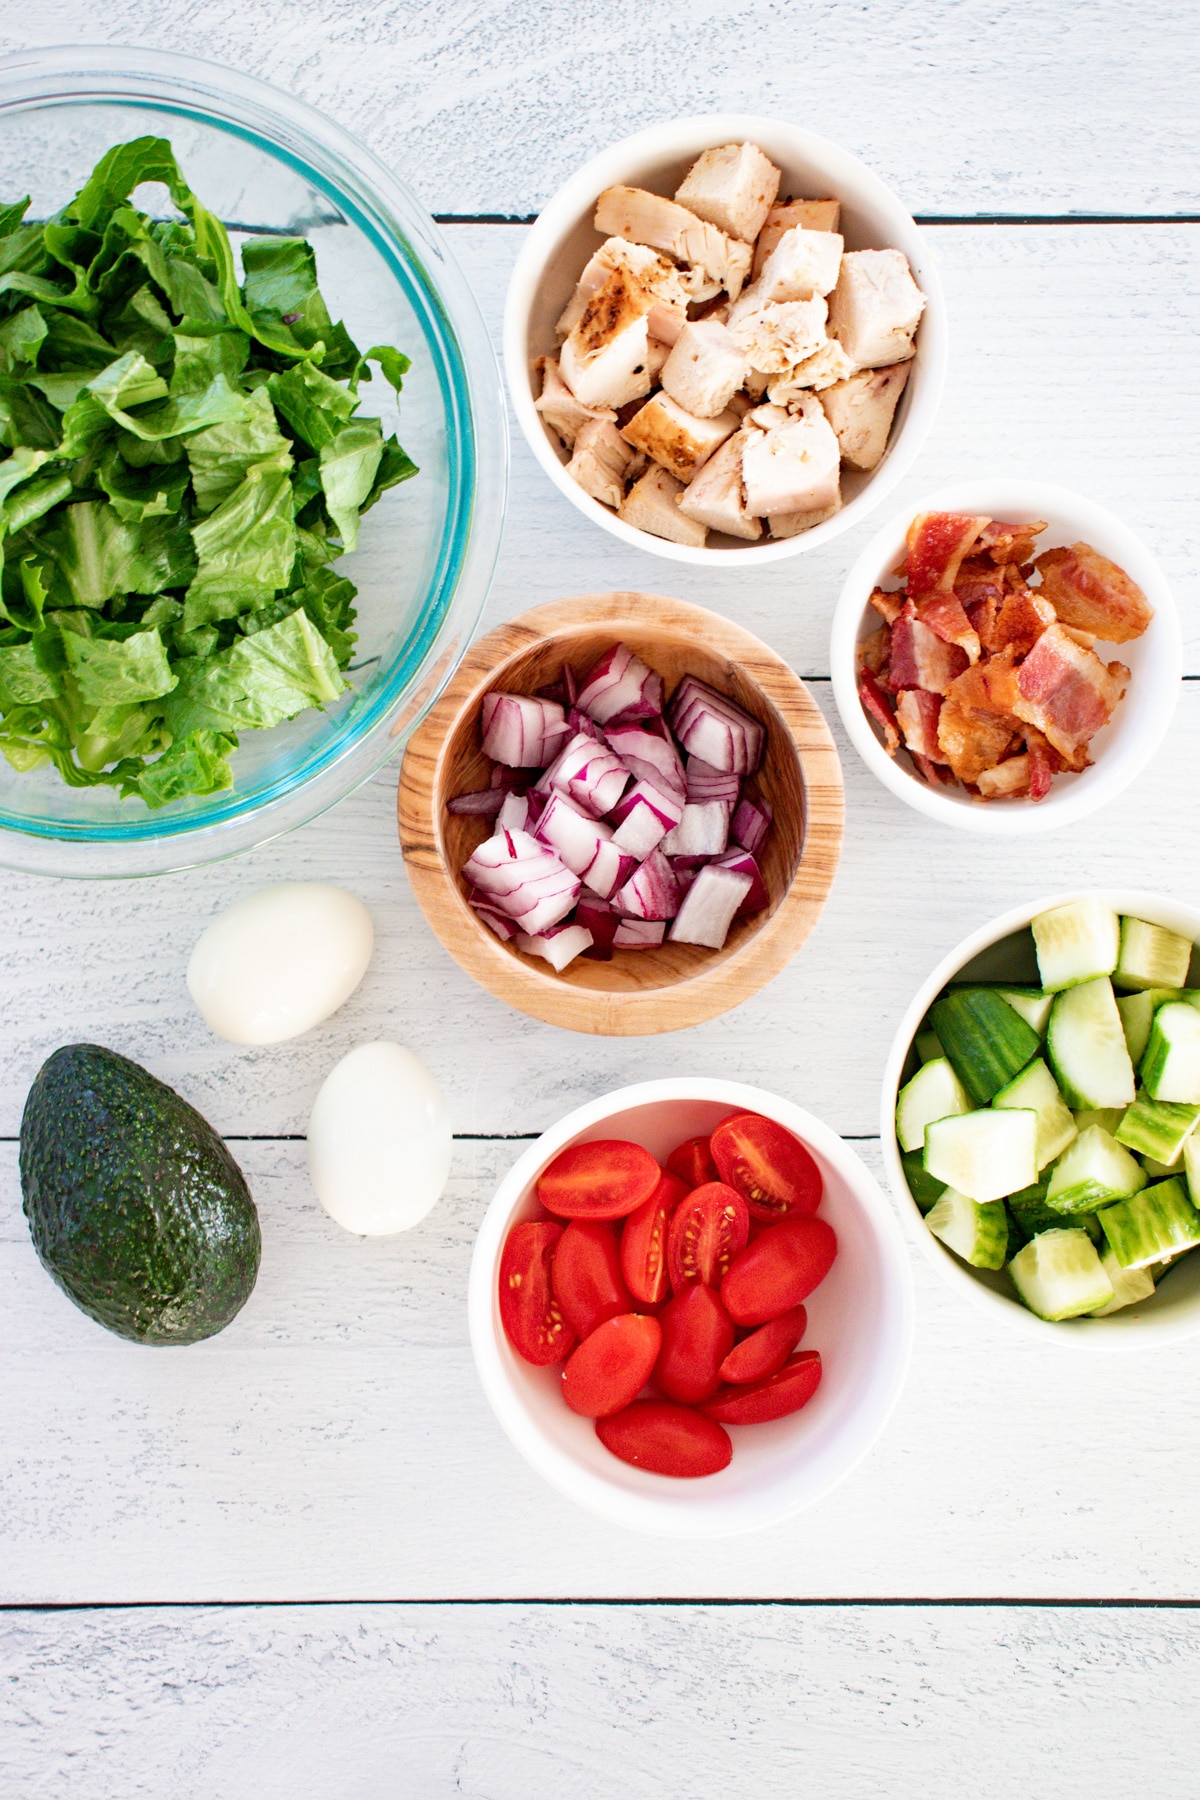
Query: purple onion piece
point(709, 907)
point(481, 805)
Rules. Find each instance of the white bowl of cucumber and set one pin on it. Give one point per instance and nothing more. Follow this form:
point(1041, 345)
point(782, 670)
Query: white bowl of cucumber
point(1088, 675)
point(1039, 1117)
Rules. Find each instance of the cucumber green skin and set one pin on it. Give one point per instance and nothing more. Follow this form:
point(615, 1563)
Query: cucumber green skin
point(985, 1041)
point(135, 1206)
point(1161, 1216)
point(1157, 1128)
point(925, 1189)
point(1066, 1003)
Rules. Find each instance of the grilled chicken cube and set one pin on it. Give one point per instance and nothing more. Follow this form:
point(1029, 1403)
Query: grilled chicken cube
point(827, 365)
point(705, 368)
point(803, 263)
point(679, 440)
point(657, 354)
point(781, 334)
point(666, 284)
point(813, 215)
point(716, 497)
point(605, 360)
point(601, 461)
point(558, 406)
point(861, 411)
point(875, 308)
point(733, 187)
point(792, 466)
point(651, 219)
point(650, 506)
point(785, 525)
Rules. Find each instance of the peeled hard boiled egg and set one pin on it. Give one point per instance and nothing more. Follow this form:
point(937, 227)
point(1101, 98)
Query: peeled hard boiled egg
point(280, 961)
point(379, 1140)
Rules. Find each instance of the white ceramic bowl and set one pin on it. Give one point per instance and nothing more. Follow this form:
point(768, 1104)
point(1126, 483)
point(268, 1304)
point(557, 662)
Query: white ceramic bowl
point(560, 243)
point(860, 1319)
point(1003, 951)
point(1121, 750)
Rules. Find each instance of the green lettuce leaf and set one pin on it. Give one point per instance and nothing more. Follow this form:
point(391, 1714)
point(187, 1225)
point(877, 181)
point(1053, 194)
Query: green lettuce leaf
point(245, 549)
point(23, 681)
point(221, 456)
point(348, 469)
point(314, 406)
point(196, 764)
point(107, 673)
point(93, 554)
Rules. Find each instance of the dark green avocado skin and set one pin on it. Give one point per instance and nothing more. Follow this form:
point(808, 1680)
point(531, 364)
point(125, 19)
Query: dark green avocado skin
point(134, 1204)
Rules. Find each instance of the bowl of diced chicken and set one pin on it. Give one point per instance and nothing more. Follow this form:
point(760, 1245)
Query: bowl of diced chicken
point(1005, 656)
point(725, 339)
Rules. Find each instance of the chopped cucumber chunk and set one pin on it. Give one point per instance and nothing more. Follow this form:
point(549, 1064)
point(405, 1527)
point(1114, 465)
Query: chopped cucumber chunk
point(1157, 1128)
point(933, 1093)
point(1150, 956)
point(1086, 1045)
point(1158, 1171)
point(1076, 943)
point(1129, 1285)
point(1036, 1088)
point(1093, 1172)
point(1158, 1222)
point(1191, 1166)
point(1030, 1214)
point(985, 1040)
point(1107, 1117)
point(979, 1234)
point(928, 1046)
point(1171, 1064)
point(1032, 1004)
point(984, 1155)
point(1059, 1275)
point(1137, 1015)
point(921, 1185)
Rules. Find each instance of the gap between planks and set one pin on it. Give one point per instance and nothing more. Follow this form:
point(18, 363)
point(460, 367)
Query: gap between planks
point(1021, 1603)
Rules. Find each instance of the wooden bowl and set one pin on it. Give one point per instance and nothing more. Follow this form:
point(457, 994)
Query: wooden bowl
point(639, 991)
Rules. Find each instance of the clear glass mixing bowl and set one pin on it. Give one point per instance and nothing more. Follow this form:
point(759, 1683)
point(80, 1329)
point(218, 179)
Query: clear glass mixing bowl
point(265, 163)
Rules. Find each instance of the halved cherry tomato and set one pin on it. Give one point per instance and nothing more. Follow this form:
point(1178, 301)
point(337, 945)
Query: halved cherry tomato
point(697, 1335)
point(764, 1162)
point(766, 1349)
point(644, 1243)
point(666, 1438)
point(708, 1228)
point(529, 1312)
point(604, 1180)
point(778, 1271)
point(587, 1276)
point(692, 1163)
point(610, 1369)
point(785, 1392)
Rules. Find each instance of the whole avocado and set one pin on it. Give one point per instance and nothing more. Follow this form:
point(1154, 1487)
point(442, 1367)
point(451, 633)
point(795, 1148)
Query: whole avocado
point(134, 1204)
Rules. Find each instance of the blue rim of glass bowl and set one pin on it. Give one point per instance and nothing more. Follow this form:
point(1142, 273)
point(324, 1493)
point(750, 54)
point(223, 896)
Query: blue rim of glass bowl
point(406, 265)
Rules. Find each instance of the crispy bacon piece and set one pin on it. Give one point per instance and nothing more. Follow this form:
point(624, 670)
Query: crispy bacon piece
point(1067, 692)
point(874, 651)
point(971, 741)
point(1008, 543)
point(1020, 622)
point(1007, 779)
point(946, 615)
point(937, 543)
point(920, 658)
point(888, 606)
point(878, 707)
point(1044, 763)
point(935, 776)
point(917, 716)
point(1088, 591)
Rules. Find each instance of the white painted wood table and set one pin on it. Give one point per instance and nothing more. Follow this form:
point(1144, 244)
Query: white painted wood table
point(301, 1559)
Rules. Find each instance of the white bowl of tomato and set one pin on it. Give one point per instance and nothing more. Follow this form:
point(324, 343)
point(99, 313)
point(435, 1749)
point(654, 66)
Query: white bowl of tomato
point(691, 1307)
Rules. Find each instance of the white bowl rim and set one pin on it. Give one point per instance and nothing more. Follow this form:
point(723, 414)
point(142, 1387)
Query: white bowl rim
point(999, 818)
point(680, 136)
point(670, 1508)
point(1120, 1331)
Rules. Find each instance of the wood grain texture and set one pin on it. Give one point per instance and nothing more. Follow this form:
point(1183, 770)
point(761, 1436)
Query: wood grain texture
point(677, 985)
point(334, 1443)
point(497, 1703)
point(485, 105)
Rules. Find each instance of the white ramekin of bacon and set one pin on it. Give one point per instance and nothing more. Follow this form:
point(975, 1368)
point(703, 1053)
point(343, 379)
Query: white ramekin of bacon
point(1005, 656)
point(725, 339)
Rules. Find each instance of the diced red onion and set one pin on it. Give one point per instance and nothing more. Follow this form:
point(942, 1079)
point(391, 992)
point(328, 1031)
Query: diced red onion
point(523, 878)
point(642, 819)
point(686, 869)
point(583, 722)
point(651, 892)
point(481, 805)
point(558, 945)
point(650, 755)
point(620, 688)
point(514, 813)
point(706, 783)
point(709, 907)
point(591, 776)
point(494, 919)
point(750, 825)
point(712, 727)
point(703, 830)
point(639, 934)
point(742, 863)
point(511, 781)
point(598, 917)
point(585, 845)
point(611, 870)
point(521, 730)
